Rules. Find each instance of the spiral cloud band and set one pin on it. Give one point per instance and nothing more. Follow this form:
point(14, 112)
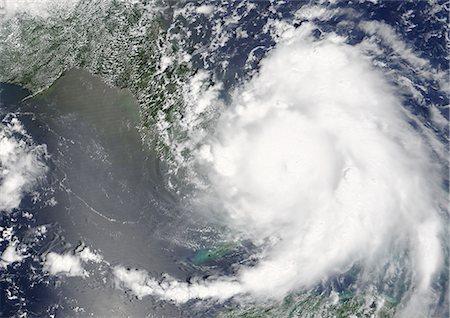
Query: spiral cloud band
point(316, 155)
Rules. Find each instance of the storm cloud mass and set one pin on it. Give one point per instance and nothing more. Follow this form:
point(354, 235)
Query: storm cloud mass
point(288, 158)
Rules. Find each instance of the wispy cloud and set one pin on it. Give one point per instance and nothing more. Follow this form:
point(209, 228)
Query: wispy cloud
point(39, 8)
point(316, 154)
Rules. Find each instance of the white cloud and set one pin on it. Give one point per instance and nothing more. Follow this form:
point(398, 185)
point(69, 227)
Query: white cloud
point(322, 13)
point(200, 96)
point(316, 154)
point(141, 284)
point(316, 151)
point(41, 8)
point(135, 280)
point(63, 264)
point(437, 118)
point(391, 39)
point(11, 255)
point(71, 264)
point(389, 36)
point(89, 256)
point(205, 9)
point(21, 163)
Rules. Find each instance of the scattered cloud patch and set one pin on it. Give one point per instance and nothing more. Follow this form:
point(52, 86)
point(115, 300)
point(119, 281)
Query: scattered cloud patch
point(11, 255)
point(21, 163)
point(87, 255)
point(71, 263)
point(64, 264)
point(205, 9)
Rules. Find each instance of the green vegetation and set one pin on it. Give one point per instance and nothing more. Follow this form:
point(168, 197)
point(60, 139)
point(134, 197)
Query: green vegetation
point(311, 305)
point(120, 41)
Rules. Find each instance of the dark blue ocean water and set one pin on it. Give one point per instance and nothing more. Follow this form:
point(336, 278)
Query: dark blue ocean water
point(109, 188)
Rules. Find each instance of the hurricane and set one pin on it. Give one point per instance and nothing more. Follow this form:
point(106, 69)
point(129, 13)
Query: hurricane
point(224, 158)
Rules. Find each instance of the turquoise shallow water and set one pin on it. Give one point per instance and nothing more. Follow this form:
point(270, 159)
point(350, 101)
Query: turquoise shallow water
point(107, 190)
point(110, 189)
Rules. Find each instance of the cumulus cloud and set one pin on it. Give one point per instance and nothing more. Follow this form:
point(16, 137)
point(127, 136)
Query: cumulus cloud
point(71, 264)
point(316, 154)
point(87, 255)
point(205, 9)
point(21, 163)
point(11, 254)
point(142, 284)
point(64, 264)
